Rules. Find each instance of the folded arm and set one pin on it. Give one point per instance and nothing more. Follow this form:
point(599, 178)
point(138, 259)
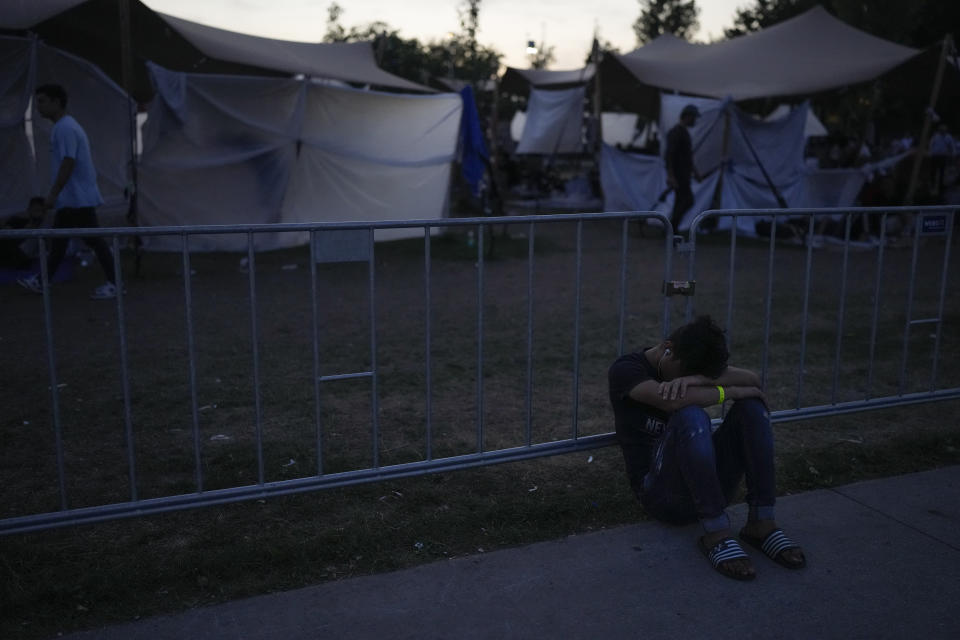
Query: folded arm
point(651, 392)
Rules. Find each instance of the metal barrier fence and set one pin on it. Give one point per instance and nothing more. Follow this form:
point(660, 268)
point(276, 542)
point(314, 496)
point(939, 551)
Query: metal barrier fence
point(200, 493)
point(890, 277)
point(644, 268)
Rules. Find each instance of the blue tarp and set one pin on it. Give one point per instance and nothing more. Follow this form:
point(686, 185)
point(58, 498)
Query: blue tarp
point(473, 150)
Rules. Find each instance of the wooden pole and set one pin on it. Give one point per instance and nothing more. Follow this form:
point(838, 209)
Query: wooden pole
point(928, 121)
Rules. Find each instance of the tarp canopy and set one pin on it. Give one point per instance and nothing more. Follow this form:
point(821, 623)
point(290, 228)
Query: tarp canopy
point(806, 54)
point(91, 29)
point(347, 61)
point(520, 81)
point(237, 150)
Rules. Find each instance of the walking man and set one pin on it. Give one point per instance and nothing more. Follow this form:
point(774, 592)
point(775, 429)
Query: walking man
point(679, 161)
point(74, 192)
point(678, 469)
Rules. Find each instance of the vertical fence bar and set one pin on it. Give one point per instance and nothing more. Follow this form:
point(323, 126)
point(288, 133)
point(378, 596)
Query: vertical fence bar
point(909, 311)
point(841, 310)
point(576, 333)
point(479, 338)
point(529, 402)
point(668, 272)
point(428, 331)
point(769, 305)
point(943, 295)
point(192, 362)
point(731, 277)
point(254, 340)
point(45, 278)
point(315, 334)
point(623, 283)
point(876, 304)
point(124, 370)
point(374, 391)
point(805, 314)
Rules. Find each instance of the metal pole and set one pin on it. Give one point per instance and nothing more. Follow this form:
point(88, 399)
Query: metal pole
point(529, 403)
point(576, 331)
point(45, 278)
point(125, 371)
point(315, 332)
point(374, 392)
point(428, 306)
point(841, 310)
point(480, 338)
point(192, 363)
point(254, 343)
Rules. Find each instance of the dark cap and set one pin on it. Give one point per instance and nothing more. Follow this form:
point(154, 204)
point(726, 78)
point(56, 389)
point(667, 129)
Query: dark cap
point(690, 110)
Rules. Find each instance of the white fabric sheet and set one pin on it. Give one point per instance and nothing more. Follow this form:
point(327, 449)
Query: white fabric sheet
point(17, 164)
point(235, 150)
point(554, 122)
point(618, 128)
point(97, 103)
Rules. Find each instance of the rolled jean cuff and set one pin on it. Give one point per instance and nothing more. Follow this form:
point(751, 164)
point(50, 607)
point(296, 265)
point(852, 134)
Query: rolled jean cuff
point(761, 513)
point(718, 523)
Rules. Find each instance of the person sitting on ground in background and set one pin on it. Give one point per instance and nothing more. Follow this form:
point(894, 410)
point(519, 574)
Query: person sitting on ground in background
point(681, 472)
point(679, 162)
point(12, 250)
point(74, 191)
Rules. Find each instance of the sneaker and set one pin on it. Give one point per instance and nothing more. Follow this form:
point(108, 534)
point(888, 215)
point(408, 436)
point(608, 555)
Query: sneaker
point(32, 283)
point(106, 291)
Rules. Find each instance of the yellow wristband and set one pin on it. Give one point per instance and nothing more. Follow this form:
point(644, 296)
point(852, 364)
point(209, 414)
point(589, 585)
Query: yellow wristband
point(722, 395)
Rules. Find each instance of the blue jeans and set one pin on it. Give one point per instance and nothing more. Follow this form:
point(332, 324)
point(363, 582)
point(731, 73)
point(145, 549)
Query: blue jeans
point(694, 474)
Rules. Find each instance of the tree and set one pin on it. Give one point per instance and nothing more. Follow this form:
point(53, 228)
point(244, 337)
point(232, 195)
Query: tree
point(658, 17)
point(459, 56)
point(542, 57)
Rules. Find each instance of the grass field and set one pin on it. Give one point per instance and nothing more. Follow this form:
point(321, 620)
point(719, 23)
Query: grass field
point(92, 575)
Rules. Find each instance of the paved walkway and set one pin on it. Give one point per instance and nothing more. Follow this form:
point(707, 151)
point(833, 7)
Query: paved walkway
point(884, 562)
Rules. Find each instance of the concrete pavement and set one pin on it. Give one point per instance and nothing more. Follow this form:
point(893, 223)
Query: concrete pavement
point(883, 562)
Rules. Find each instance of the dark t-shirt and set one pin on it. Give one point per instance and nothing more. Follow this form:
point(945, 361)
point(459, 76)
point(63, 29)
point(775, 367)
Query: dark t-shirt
point(638, 425)
point(679, 154)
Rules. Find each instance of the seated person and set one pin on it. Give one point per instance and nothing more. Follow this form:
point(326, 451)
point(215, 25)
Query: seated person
point(678, 469)
point(14, 252)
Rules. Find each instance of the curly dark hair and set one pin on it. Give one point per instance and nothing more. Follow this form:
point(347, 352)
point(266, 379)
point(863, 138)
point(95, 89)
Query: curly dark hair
point(54, 92)
point(702, 347)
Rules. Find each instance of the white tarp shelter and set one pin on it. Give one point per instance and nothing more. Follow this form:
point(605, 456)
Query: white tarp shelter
point(237, 150)
point(805, 54)
point(520, 81)
point(101, 107)
point(812, 128)
point(554, 122)
point(755, 148)
point(618, 128)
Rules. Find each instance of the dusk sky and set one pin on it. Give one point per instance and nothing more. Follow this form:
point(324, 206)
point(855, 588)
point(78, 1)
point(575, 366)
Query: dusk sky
point(506, 25)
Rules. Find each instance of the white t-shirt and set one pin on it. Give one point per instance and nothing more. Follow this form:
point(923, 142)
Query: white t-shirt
point(68, 140)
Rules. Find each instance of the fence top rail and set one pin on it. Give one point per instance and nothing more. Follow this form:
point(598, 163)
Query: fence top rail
point(826, 211)
point(291, 227)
